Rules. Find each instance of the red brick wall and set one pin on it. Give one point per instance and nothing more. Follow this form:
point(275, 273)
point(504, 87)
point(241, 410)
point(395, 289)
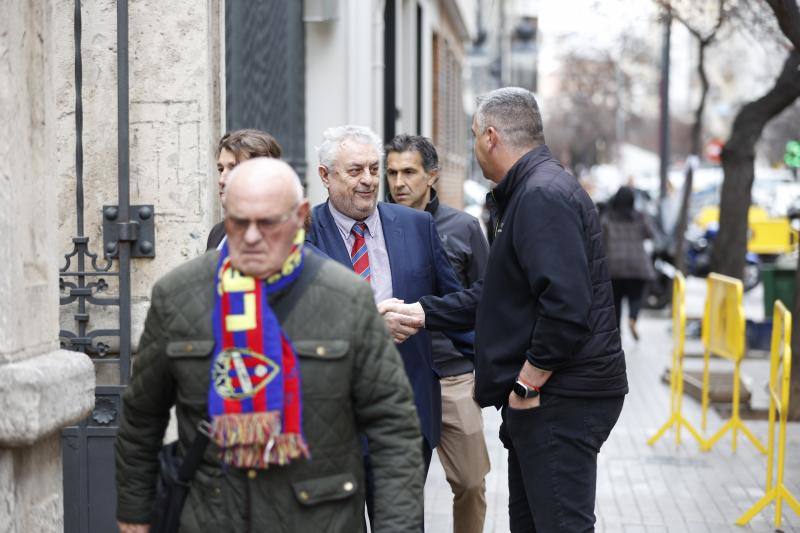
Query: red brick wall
point(450, 127)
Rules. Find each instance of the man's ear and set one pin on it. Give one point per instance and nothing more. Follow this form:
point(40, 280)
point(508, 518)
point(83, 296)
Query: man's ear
point(433, 177)
point(303, 209)
point(324, 175)
point(492, 138)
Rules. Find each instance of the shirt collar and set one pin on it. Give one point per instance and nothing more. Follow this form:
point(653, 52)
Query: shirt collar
point(345, 223)
point(433, 203)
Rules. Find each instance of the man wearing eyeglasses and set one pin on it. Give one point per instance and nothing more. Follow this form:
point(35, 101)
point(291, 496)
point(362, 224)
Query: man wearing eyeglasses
point(394, 248)
point(280, 359)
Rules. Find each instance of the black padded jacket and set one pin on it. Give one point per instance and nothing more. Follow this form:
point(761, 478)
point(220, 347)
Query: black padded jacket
point(546, 296)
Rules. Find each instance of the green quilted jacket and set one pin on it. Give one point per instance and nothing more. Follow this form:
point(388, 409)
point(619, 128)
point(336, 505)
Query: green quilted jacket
point(353, 381)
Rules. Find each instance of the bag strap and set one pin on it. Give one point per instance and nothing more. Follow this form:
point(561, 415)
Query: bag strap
point(195, 452)
point(282, 308)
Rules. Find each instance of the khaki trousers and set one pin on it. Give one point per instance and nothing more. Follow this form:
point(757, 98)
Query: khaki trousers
point(462, 452)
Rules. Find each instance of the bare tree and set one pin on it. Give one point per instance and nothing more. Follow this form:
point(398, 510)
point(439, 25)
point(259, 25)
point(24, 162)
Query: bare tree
point(588, 117)
point(738, 154)
point(738, 163)
point(703, 20)
point(581, 127)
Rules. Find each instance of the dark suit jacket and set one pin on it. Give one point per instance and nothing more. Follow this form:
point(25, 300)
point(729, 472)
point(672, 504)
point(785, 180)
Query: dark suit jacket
point(419, 267)
point(215, 236)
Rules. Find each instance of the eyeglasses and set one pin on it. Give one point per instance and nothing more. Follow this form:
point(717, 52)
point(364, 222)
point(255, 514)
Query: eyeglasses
point(265, 226)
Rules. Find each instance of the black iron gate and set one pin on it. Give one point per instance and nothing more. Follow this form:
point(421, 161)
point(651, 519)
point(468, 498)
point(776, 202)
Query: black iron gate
point(88, 285)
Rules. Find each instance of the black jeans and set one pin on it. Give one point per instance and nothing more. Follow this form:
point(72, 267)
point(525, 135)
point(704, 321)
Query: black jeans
point(633, 290)
point(552, 461)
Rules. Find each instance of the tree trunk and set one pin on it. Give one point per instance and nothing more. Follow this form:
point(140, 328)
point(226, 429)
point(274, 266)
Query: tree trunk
point(697, 141)
point(738, 160)
point(683, 220)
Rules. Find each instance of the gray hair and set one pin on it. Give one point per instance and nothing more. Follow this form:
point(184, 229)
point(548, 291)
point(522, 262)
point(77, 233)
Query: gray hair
point(514, 113)
point(332, 139)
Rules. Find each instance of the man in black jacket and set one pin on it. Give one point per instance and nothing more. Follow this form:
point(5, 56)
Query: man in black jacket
point(547, 347)
point(412, 169)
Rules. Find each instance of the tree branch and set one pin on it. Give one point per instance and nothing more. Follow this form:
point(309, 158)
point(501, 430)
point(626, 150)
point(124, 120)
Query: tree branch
point(750, 121)
point(696, 32)
point(787, 12)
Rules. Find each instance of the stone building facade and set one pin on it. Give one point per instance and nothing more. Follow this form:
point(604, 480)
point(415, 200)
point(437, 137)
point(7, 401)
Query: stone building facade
point(42, 388)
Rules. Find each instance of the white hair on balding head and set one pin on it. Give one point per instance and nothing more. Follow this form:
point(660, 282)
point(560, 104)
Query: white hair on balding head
point(332, 139)
point(514, 113)
point(267, 168)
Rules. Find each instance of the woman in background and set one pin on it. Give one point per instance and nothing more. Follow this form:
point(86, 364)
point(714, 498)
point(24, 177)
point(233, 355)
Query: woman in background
point(624, 233)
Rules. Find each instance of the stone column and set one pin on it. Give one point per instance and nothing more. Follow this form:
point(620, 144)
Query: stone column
point(42, 388)
point(175, 121)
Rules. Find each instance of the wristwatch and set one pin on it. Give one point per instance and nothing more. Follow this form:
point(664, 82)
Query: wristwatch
point(525, 391)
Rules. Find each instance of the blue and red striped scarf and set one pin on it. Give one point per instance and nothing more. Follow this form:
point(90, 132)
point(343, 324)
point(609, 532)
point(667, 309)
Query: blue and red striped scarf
point(254, 398)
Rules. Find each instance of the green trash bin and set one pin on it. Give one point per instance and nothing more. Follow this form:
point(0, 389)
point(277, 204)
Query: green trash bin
point(778, 285)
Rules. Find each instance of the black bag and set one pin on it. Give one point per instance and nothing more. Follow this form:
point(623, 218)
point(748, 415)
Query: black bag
point(176, 473)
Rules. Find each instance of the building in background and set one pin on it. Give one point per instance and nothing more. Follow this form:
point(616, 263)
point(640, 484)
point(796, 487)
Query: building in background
point(505, 52)
point(395, 66)
point(453, 28)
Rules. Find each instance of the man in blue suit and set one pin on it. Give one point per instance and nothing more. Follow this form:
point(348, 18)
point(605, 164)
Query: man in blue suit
point(394, 248)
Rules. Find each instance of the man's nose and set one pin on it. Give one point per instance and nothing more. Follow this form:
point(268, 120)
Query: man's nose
point(366, 178)
point(252, 235)
point(223, 177)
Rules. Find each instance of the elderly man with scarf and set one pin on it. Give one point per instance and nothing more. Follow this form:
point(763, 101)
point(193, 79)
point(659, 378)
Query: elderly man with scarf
point(283, 358)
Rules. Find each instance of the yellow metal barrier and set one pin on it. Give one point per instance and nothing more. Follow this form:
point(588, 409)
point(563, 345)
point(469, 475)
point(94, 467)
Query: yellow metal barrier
point(676, 418)
point(779, 380)
point(723, 336)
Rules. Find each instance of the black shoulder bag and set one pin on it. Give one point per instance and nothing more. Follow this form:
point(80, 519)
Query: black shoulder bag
point(175, 472)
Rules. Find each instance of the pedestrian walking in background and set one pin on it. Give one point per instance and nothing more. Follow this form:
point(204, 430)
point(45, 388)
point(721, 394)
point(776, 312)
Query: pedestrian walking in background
point(280, 358)
point(412, 170)
point(233, 148)
point(548, 352)
point(624, 231)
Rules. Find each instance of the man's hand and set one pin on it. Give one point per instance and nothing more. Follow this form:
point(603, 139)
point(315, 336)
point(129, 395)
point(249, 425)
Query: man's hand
point(400, 326)
point(413, 311)
point(515, 402)
point(531, 376)
point(403, 320)
point(133, 528)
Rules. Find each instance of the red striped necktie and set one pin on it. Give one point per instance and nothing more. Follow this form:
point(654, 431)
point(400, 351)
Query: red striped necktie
point(359, 255)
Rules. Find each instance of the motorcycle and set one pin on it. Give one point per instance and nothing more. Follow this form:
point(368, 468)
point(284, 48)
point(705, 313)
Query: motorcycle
point(698, 258)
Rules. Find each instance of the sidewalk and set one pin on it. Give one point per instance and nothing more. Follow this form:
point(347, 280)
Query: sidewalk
point(642, 488)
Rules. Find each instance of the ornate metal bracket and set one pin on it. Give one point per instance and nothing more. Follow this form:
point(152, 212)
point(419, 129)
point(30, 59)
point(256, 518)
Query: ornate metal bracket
point(139, 231)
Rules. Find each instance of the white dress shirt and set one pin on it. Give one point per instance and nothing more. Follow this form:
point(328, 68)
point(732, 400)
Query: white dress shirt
point(380, 270)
